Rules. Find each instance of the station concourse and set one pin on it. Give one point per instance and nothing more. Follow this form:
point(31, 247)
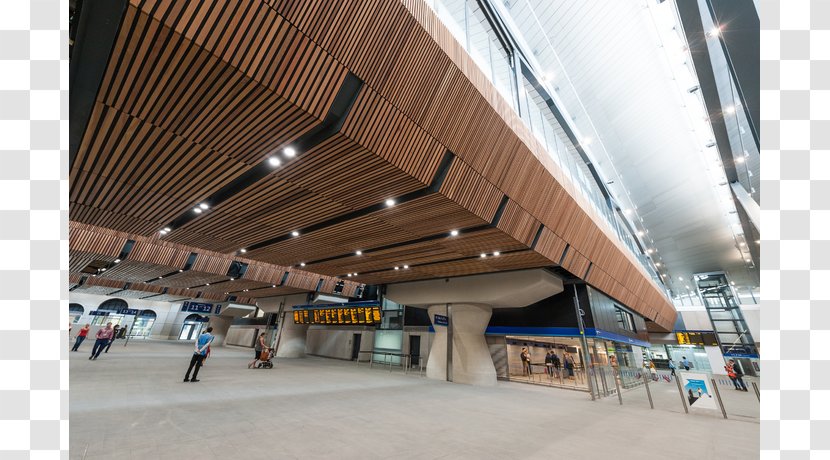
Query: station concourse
point(461, 228)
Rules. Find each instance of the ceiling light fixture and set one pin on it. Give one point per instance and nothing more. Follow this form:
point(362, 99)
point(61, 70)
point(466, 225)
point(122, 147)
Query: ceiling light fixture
point(232, 279)
point(405, 267)
point(289, 152)
point(243, 250)
point(359, 253)
point(274, 161)
point(680, 278)
point(167, 229)
point(203, 206)
point(390, 202)
point(197, 210)
point(302, 264)
point(349, 275)
point(295, 233)
point(732, 283)
point(656, 264)
point(640, 233)
point(729, 109)
point(627, 211)
point(207, 284)
point(180, 270)
point(496, 253)
point(117, 261)
point(454, 233)
point(397, 268)
point(483, 255)
point(650, 251)
point(587, 141)
point(160, 277)
point(715, 32)
point(273, 285)
point(104, 269)
point(687, 287)
point(355, 274)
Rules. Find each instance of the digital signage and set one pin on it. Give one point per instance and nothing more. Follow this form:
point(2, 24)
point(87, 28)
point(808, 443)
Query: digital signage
point(696, 338)
point(340, 315)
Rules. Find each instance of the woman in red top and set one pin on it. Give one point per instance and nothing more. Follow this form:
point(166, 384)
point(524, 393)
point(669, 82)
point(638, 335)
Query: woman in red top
point(80, 337)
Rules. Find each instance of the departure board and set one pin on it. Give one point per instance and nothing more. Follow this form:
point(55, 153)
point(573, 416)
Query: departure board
point(696, 338)
point(365, 315)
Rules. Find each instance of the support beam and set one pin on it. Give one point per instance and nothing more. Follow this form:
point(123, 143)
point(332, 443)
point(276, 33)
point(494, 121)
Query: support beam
point(471, 362)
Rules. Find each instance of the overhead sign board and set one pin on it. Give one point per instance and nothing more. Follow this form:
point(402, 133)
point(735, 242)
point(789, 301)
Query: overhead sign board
point(197, 307)
point(696, 338)
point(128, 311)
point(441, 320)
point(99, 313)
point(341, 315)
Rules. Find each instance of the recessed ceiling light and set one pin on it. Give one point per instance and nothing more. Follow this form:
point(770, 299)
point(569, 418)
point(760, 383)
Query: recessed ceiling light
point(714, 32)
point(656, 264)
point(104, 269)
point(454, 233)
point(295, 233)
point(289, 152)
point(160, 277)
point(687, 287)
point(496, 253)
point(244, 290)
point(355, 274)
point(302, 264)
point(360, 253)
point(117, 260)
point(483, 255)
point(390, 202)
point(739, 160)
point(757, 241)
point(94, 276)
point(162, 232)
point(197, 210)
point(587, 141)
point(273, 285)
point(650, 251)
point(680, 278)
point(640, 233)
point(349, 275)
point(749, 260)
point(203, 205)
point(207, 284)
point(627, 211)
point(166, 229)
point(243, 250)
point(274, 161)
point(405, 267)
point(742, 243)
point(732, 283)
point(397, 268)
point(180, 270)
point(232, 279)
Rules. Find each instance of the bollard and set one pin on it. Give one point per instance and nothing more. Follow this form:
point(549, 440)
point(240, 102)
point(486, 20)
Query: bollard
point(682, 396)
point(648, 392)
point(720, 402)
point(617, 384)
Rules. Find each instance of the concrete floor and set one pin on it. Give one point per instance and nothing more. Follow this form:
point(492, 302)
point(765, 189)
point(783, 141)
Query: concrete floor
point(132, 403)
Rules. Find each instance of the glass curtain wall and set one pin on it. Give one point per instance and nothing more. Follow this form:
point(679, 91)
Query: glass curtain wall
point(469, 24)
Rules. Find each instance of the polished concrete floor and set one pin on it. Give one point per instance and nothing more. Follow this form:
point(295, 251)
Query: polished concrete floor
point(132, 403)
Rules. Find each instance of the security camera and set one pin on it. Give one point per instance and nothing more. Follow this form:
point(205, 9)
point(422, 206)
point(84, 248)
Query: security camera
point(693, 89)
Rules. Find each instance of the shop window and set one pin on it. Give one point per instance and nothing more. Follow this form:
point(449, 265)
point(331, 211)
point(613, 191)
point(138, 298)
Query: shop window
point(76, 310)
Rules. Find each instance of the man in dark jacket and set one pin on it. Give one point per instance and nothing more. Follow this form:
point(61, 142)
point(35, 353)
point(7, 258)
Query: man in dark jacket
point(739, 375)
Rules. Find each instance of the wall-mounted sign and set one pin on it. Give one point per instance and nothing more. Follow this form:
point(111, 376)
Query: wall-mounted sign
point(99, 313)
point(441, 320)
point(128, 311)
point(197, 307)
point(218, 309)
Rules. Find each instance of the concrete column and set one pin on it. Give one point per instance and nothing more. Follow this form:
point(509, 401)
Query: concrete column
point(292, 342)
point(471, 360)
point(220, 325)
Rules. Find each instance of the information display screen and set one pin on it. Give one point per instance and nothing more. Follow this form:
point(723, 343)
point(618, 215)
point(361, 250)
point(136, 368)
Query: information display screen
point(339, 315)
point(697, 338)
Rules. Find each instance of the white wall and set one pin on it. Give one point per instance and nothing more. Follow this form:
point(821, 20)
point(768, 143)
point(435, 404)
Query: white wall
point(336, 341)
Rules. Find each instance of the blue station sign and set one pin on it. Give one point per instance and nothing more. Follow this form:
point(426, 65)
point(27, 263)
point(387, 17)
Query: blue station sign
point(197, 307)
point(441, 320)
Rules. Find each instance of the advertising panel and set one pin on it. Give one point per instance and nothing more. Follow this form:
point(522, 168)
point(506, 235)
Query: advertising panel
point(698, 391)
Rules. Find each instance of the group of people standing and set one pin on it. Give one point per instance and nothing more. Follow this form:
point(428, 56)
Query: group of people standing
point(103, 339)
point(552, 364)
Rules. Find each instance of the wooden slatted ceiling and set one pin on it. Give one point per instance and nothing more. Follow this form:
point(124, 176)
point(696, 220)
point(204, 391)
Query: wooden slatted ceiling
point(383, 129)
point(257, 41)
point(378, 42)
point(430, 215)
point(235, 287)
point(129, 270)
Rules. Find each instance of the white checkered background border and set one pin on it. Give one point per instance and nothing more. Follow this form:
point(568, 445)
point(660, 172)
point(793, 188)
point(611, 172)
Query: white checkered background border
point(795, 211)
point(795, 272)
point(34, 140)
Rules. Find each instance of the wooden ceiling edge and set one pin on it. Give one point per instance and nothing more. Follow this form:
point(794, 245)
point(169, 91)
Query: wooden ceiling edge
point(278, 268)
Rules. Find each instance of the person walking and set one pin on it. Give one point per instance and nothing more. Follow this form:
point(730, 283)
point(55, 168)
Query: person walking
point(199, 353)
point(102, 338)
point(672, 367)
point(525, 356)
point(79, 339)
point(739, 375)
point(260, 345)
point(685, 363)
point(115, 331)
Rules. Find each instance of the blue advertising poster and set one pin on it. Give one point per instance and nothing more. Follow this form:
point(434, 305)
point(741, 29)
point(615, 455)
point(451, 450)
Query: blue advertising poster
point(441, 320)
point(697, 391)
